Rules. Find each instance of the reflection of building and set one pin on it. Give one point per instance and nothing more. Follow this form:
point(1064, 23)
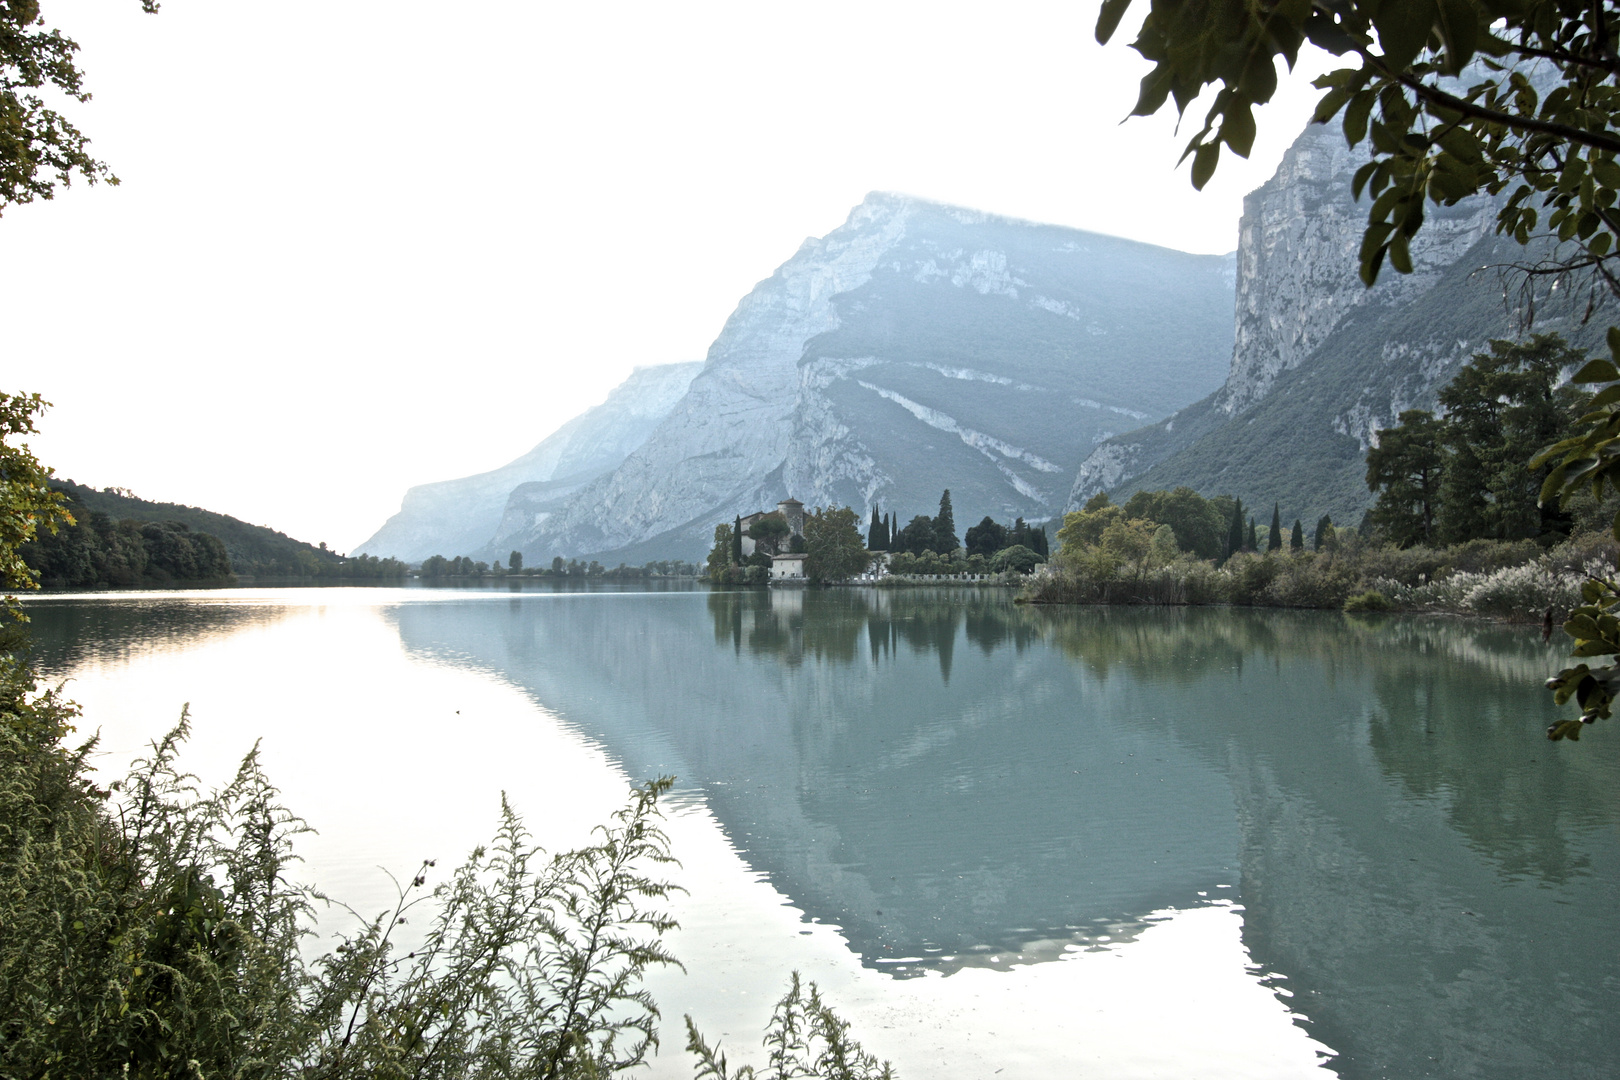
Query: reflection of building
point(792, 510)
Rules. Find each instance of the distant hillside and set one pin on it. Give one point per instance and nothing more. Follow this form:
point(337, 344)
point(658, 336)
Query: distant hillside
point(254, 550)
point(476, 515)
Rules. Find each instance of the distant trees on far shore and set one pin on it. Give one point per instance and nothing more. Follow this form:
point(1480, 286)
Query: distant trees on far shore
point(466, 567)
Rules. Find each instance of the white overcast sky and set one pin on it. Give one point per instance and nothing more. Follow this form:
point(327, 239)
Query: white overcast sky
point(363, 244)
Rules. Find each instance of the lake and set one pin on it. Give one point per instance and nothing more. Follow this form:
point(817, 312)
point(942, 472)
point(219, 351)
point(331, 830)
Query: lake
point(1004, 840)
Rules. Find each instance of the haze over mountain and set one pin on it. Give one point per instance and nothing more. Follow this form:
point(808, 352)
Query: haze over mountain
point(461, 516)
point(915, 348)
point(1319, 362)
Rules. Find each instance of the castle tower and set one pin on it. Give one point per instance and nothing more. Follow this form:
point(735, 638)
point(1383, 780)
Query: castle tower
point(793, 511)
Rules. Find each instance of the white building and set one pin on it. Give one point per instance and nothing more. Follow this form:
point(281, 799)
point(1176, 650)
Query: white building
point(787, 567)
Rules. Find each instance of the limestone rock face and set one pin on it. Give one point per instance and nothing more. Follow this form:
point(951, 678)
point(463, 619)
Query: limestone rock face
point(1299, 246)
point(1319, 362)
point(915, 348)
point(459, 517)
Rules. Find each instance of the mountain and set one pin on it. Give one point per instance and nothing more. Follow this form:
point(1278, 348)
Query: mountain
point(915, 348)
point(460, 517)
point(1319, 362)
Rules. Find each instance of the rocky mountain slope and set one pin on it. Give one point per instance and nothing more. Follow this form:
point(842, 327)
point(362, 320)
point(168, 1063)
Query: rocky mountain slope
point(459, 517)
point(915, 348)
point(1320, 363)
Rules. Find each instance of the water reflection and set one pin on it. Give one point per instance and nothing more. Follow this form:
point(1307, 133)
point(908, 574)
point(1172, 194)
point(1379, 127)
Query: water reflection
point(69, 634)
point(951, 778)
point(956, 781)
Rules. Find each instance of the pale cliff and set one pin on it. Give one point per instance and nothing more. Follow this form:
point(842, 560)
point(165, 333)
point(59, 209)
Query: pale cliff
point(1319, 362)
point(916, 347)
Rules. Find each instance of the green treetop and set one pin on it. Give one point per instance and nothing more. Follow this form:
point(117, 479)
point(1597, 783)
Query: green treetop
point(945, 526)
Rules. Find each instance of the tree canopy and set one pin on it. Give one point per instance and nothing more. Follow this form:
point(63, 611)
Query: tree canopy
point(1452, 97)
point(40, 149)
point(834, 550)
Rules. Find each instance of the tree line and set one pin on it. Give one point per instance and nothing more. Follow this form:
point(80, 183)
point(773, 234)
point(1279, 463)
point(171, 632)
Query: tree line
point(465, 566)
point(1466, 474)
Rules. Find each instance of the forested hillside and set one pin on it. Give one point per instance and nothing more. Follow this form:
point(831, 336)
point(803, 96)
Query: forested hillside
point(120, 541)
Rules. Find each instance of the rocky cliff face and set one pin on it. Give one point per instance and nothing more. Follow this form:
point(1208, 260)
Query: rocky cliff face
point(1319, 362)
point(917, 347)
point(459, 517)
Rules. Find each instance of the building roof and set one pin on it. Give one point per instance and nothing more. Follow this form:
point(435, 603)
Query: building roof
point(790, 502)
point(791, 555)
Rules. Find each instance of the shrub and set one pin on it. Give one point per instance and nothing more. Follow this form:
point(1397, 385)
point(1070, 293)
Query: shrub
point(1372, 600)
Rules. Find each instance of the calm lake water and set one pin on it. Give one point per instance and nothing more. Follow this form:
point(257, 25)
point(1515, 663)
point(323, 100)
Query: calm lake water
point(1076, 842)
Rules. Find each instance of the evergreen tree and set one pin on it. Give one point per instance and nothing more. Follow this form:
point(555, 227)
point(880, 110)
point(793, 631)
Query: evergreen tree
point(1274, 538)
point(1406, 468)
point(888, 532)
point(1296, 539)
point(945, 526)
point(515, 561)
point(736, 542)
point(1502, 408)
point(986, 538)
point(874, 530)
point(1322, 528)
point(1252, 540)
point(1234, 531)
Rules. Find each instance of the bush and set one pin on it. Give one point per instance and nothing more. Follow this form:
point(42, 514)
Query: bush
point(1372, 600)
point(1306, 579)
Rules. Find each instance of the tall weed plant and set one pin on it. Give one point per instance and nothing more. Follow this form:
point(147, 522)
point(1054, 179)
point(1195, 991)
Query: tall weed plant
point(154, 930)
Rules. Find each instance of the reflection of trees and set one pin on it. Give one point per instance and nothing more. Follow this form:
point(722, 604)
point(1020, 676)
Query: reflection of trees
point(1456, 716)
point(69, 633)
point(829, 624)
point(1474, 743)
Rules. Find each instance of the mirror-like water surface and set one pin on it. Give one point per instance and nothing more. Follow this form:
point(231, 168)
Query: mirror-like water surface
point(1114, 842)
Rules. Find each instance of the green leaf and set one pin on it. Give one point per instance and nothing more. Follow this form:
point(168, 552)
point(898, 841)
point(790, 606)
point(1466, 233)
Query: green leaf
point(1355, 117)
point(1597, 371)
point(1460, 30)
point(1205, 158)
point(1108, 19)
point(1237, 130)
point(1403, 28)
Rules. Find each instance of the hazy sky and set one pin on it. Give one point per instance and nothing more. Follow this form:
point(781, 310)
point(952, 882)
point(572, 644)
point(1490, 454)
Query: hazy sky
point(364, 244)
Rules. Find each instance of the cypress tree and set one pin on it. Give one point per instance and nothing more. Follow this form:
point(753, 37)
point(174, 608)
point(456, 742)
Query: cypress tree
point(1296, 540)
point(1274, 539)
point(1253, 539)
point(1234, 531)
point(736, 542)
point(873, 530)
point(1321, 530)
point(888, 533)
point(945, 526)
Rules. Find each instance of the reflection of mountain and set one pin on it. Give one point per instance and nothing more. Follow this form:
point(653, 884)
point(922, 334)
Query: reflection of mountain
point(927, 818)
point(944, 774)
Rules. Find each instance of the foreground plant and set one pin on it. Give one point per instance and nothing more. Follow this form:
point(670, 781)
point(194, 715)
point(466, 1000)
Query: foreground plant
point(805, 1039)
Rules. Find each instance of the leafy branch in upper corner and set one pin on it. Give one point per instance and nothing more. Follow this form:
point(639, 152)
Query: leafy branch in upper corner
point(805, 1039)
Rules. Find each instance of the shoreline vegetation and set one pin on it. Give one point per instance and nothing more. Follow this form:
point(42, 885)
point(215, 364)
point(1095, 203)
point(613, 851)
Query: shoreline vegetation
point(1515, 581)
